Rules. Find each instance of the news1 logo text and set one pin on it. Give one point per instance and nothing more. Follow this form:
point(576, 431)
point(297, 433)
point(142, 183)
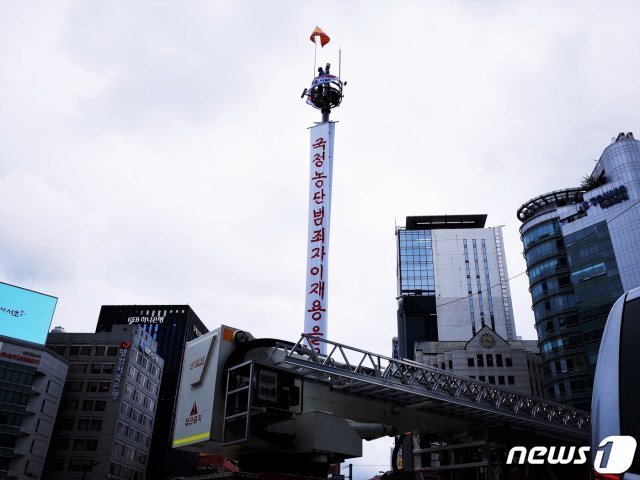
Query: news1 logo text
point(614, 455)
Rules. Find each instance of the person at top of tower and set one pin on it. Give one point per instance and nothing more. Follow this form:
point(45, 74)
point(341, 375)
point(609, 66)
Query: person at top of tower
point(322, 72)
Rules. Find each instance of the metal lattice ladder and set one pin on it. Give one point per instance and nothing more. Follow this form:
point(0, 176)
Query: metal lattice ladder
point(237, 404)
point(417, 386)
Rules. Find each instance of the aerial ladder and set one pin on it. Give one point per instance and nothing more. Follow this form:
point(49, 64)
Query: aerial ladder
point(278, 406)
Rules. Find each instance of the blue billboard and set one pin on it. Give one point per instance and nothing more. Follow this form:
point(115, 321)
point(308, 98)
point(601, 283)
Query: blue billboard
point(25, 314)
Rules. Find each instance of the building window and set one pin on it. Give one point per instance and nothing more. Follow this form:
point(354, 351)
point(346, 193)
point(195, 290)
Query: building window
point(489, 360)
point(94, 405)
point(73, 386)
point(501, 380)
point(78, 368)
point(105, 368)
point(90, 424)
point(499, 360)
point(482, 378)
point(61, 444)
point(96, 386)
point(69, 405)
point(79, 350)
point(76, 465)
point(85, 444)
point(470, 362)
point(511, 380)
point(508, 362)
point(492, 379)
point(450, 368)
point(59, 349)
point(55, 465)
point(480, 360)
point(64, 423)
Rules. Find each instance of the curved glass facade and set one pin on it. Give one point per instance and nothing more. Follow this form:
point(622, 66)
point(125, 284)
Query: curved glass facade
point(553, 303)
point(581, 250)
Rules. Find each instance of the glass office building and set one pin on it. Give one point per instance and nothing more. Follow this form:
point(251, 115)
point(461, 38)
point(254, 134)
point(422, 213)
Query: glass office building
point(582, 248)
point(451, 280)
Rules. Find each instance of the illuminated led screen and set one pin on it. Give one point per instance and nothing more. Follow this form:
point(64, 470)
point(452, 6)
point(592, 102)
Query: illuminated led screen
point(25, 314)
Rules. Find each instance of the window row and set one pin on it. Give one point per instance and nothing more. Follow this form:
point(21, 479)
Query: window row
point(87, 405)
point(479, 361)
point(79, 444)
point(85, 350)
point(492, 379)
point(136, 415)
point(541, 231)
point(78, 465)
point(124, 472)
point(145, 363)
point(129, 453)
point(140, 398)
point(11, 375)
point(16, 398)
point(94, 368)
point(544, 249)
point(133, 434)
point(84, 424)
point(77, 386)
point(142, 380)
point(11, 419)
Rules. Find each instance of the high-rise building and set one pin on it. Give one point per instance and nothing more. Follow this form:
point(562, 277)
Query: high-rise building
point(31, 382)
point(172, 326)
point(108, 407)
point(582, 248)
point(452, 280)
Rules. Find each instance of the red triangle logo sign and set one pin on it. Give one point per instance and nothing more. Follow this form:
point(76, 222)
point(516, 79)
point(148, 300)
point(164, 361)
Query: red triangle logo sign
point(194, 409)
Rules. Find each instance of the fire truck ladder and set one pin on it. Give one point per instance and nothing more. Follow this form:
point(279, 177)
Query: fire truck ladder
point(415, 386)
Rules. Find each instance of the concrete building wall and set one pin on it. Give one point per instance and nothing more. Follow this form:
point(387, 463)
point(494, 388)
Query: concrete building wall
point(108, 407)
point(487, 358)
point(459, 315)
point(44, 374)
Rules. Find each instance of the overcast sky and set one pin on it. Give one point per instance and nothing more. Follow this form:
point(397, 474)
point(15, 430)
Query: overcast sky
point(157, 152)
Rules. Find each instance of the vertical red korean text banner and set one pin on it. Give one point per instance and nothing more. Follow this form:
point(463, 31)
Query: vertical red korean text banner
point(321, 170)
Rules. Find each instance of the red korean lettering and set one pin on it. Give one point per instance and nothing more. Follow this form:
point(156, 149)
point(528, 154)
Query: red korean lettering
point(318, 197)
point(317, 270)
point(318, 288)
point(316, 310)
point(318, 217)
point(319, 179)
point(320, 142)
point(318, 236)
point(318, 252)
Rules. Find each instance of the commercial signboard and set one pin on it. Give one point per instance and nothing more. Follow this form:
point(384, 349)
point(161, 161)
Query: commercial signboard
point(25, 314)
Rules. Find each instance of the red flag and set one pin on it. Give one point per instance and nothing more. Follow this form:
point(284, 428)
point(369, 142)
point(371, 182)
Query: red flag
point(324, 38)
